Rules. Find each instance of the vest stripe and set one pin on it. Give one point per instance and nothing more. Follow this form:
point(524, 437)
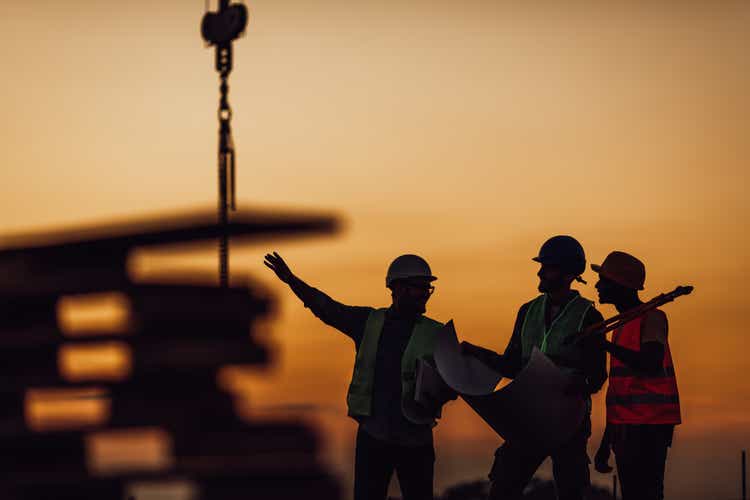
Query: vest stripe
point(658, 414)
point(643, 399)
point(626, 371)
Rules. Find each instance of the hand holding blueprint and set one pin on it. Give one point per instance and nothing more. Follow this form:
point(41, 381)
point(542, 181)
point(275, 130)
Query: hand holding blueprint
point(533, 410)
point(464, 373)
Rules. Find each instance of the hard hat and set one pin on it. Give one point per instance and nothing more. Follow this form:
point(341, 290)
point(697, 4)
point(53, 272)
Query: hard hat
point(564, 251)
point(408, 266)
point(623, 269)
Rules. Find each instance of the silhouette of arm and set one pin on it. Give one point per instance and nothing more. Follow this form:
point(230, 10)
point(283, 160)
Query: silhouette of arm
point(595, 359)
point(649, 359)
point(510, 362)
point(349, 320)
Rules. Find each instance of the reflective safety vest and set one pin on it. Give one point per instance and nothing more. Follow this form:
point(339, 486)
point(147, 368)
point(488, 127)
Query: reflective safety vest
point(637, 398)
point(421, 344)
point(551, 341)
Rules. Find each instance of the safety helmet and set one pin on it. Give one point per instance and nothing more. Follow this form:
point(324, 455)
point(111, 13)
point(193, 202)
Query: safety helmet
point(408, 266)
point(563, 251)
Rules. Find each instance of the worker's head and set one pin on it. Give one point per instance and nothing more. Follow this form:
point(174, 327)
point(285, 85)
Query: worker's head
point(562, 260)
point(620, 277)
point(410, 278)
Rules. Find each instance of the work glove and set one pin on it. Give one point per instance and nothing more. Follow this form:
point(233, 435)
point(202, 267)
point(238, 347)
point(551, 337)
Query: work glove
point(601, 459)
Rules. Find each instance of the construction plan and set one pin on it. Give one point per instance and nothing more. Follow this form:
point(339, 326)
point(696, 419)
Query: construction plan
point(533, 410)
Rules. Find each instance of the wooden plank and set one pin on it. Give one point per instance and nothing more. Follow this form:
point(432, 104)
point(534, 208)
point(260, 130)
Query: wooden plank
point(93, 258)
point(22, 314)
point(27, 368)
point(315, 484)
point(170, 302)
point(111, 240)
point(262, 450)
point(51, 337)
point(147, 306)
point(174, 410)
point(32, 276)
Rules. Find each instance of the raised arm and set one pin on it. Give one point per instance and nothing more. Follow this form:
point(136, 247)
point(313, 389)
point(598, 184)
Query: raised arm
point(350, 320)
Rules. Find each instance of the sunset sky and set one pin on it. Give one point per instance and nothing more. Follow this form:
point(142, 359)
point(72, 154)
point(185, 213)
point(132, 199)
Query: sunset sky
point(467, 132)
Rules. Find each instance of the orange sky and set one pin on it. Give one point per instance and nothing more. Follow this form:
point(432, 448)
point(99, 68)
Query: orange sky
point(467, 133)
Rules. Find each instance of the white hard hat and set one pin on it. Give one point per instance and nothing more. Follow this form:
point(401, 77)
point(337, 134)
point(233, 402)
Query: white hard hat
point(408, 266)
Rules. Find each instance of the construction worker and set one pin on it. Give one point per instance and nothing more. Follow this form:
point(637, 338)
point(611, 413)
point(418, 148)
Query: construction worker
point(548, 322)
point(642, 401)
point(395, 433)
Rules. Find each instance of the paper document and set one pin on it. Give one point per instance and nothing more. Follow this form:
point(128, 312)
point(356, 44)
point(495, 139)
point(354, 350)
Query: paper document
point(464, 373)
point(532, 411)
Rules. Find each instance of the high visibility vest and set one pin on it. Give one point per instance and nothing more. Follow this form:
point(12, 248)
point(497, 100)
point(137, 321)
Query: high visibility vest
point(421, 344)
point(638, 398)
point(551, 341)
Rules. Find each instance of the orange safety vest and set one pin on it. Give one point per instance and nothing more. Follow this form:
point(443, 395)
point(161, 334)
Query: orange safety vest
point(637, 398)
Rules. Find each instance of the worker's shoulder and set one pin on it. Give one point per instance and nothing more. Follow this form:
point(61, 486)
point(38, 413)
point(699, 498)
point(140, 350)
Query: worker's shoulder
point(525, 306)
point(584, 299)
point(654, 327)
point(656, 315)
point(592, 313)
point(432, 322)
point(524, 309)
point(369, 311)
point(655, 318)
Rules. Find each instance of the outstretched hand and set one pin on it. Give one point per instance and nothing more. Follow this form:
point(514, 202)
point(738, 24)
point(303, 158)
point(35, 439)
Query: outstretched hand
point(276, 264)
point(484, 355)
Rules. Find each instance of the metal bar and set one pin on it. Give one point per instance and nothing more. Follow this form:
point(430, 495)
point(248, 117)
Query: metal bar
point(744, 475)
point(616, 321)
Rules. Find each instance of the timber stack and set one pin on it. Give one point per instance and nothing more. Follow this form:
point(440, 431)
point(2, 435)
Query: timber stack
point(160, 426)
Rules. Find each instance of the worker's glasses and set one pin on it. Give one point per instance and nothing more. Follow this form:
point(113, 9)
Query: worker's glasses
point(420, 289)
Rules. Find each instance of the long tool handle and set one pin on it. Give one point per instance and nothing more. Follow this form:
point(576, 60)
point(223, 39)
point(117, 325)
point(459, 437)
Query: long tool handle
point(617, 321)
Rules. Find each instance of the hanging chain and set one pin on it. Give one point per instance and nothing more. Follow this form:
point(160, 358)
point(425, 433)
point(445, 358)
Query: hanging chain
point(226, 160)
point(220, 29)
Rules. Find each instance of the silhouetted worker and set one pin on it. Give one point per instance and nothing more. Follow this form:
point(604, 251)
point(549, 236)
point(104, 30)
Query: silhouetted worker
point(395, 433)
point(642, 400)
point(546, 322)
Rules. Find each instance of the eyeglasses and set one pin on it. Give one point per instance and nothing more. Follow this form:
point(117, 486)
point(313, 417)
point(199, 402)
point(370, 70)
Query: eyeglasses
point(428, 289)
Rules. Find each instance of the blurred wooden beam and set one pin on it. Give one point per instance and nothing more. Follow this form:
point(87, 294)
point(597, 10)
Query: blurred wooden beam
point(93, 258)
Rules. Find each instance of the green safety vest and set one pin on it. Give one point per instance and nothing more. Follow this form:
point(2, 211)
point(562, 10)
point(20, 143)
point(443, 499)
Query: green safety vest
point(421, 345)
point(534, 332)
